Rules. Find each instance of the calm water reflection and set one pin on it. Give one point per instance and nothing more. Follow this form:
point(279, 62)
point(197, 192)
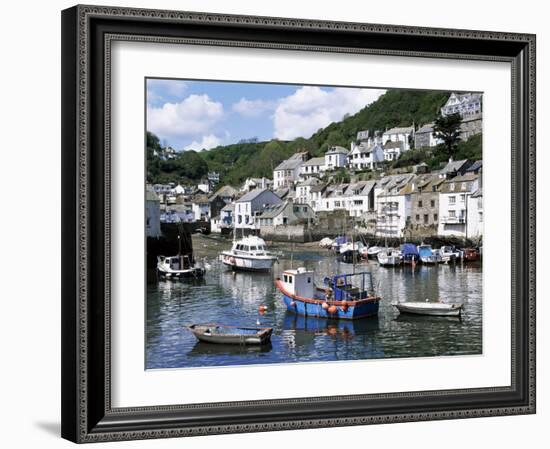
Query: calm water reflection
point(234, 299)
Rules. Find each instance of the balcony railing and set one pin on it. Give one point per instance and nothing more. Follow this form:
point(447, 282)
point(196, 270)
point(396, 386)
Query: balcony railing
point(453, 220)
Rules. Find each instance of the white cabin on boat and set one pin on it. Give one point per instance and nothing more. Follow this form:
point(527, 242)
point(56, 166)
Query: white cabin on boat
point(300, 282)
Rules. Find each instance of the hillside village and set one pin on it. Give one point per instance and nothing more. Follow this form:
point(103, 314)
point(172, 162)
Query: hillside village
point(346, 186)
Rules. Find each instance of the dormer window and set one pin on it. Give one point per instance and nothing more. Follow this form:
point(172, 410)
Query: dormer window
point(452, 186)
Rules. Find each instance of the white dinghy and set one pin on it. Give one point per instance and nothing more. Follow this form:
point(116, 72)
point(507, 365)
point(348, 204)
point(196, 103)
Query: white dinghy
point(429, 308)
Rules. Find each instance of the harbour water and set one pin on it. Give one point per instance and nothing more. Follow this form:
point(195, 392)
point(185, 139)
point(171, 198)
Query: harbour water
point(234, 299)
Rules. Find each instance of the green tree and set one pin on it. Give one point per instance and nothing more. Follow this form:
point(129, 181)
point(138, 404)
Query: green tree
point(447, 128)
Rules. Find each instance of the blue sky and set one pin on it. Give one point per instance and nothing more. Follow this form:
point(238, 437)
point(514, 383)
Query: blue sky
point(203, 114)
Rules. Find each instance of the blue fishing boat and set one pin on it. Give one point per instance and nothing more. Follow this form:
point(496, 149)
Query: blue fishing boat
point(344, 296)
point(428, 256)
point(410, 254)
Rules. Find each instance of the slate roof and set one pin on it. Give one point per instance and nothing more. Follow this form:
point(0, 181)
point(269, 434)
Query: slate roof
point(475, 166)
point(403, 130)
point(427, 128)
point(337, 149)
point(251, 195)
point(314, 161)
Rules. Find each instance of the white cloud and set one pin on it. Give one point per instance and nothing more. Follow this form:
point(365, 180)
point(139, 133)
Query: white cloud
point(253, 108)
point(311, 108)
point(195, 115)
point(160, 91)
point(207, 142)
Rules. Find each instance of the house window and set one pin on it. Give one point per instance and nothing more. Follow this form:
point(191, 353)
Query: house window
point(452, 213)
point(417, 217)
point(452, 186)
point(452, 200)
point(481, 217)
point(462, 197)
point(425, 218)
point(435, 217)
point(420, 204)
point(432, 203)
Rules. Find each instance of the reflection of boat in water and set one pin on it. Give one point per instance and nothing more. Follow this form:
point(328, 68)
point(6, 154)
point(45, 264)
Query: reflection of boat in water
point(331, 327)
point(429, 308)
point(427, 319)
point(344, 296)
point(232, 335)
point(201, 348)
point(249, 253)
point(178, 267)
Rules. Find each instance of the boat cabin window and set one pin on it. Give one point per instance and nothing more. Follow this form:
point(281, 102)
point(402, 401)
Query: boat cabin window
point(253, 248)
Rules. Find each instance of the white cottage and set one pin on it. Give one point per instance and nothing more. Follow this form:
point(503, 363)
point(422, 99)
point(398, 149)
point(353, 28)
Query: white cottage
point(393, 205)
point(312, 168)
point(365, 155)
point(403, 135)
point(453, 205)
point(336, 157)
point(249, 206)
point(288, 172)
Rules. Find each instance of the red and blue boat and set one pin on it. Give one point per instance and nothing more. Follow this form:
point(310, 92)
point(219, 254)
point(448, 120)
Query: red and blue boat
point(344, 296)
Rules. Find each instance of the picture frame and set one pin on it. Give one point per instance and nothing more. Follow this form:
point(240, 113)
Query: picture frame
point(87, 35)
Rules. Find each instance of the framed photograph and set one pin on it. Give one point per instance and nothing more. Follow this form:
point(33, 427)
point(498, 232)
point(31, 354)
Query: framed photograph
point(275, 224)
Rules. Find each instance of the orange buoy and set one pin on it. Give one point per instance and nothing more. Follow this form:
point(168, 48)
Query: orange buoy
point(344, 303)
point(325, 306)
point(262, 309)
point(332, 310)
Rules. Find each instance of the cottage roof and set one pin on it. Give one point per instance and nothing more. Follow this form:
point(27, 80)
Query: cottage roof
point(427, 128)
point(453, 166)
point(282, 192)
point(318, 187)
point(314, 161)
point(225, 191)
point(289, 164)
point(455, 185)
point(362, 187)
point(402, 130)
point(475, 166)
point(252, 195)
point(200, 198)
point(309, 182)
point(228, 207)
point(337, 150)
point(389, 145)
point(273, 210)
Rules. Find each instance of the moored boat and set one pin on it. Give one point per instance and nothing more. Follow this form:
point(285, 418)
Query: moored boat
point(449, 254)
point(249, 253)
point(344, 296)
point(409, 251)
point(428, 256)
point(351, 252)
point(233, 335)
point(390, 257)
point(471, 254)
point(178, 267)
point(372, 251)
point(429, 308)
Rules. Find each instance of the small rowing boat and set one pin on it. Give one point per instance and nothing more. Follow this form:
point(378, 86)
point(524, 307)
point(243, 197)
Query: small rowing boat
point(232, 335)
point(429, 308)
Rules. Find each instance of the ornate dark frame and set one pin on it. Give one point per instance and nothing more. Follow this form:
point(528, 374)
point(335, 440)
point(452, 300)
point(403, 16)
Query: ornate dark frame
point(87, 32)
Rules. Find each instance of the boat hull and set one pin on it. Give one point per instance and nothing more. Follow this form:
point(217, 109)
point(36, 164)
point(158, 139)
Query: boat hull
point(352, 310)
point(246, 263)
point(426, 309)
point(191, 273)
point(232, 336)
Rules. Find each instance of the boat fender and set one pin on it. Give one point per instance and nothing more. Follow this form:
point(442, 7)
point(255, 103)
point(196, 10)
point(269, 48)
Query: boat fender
point(325, 306)
point(344, 306)
point(332, 310)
